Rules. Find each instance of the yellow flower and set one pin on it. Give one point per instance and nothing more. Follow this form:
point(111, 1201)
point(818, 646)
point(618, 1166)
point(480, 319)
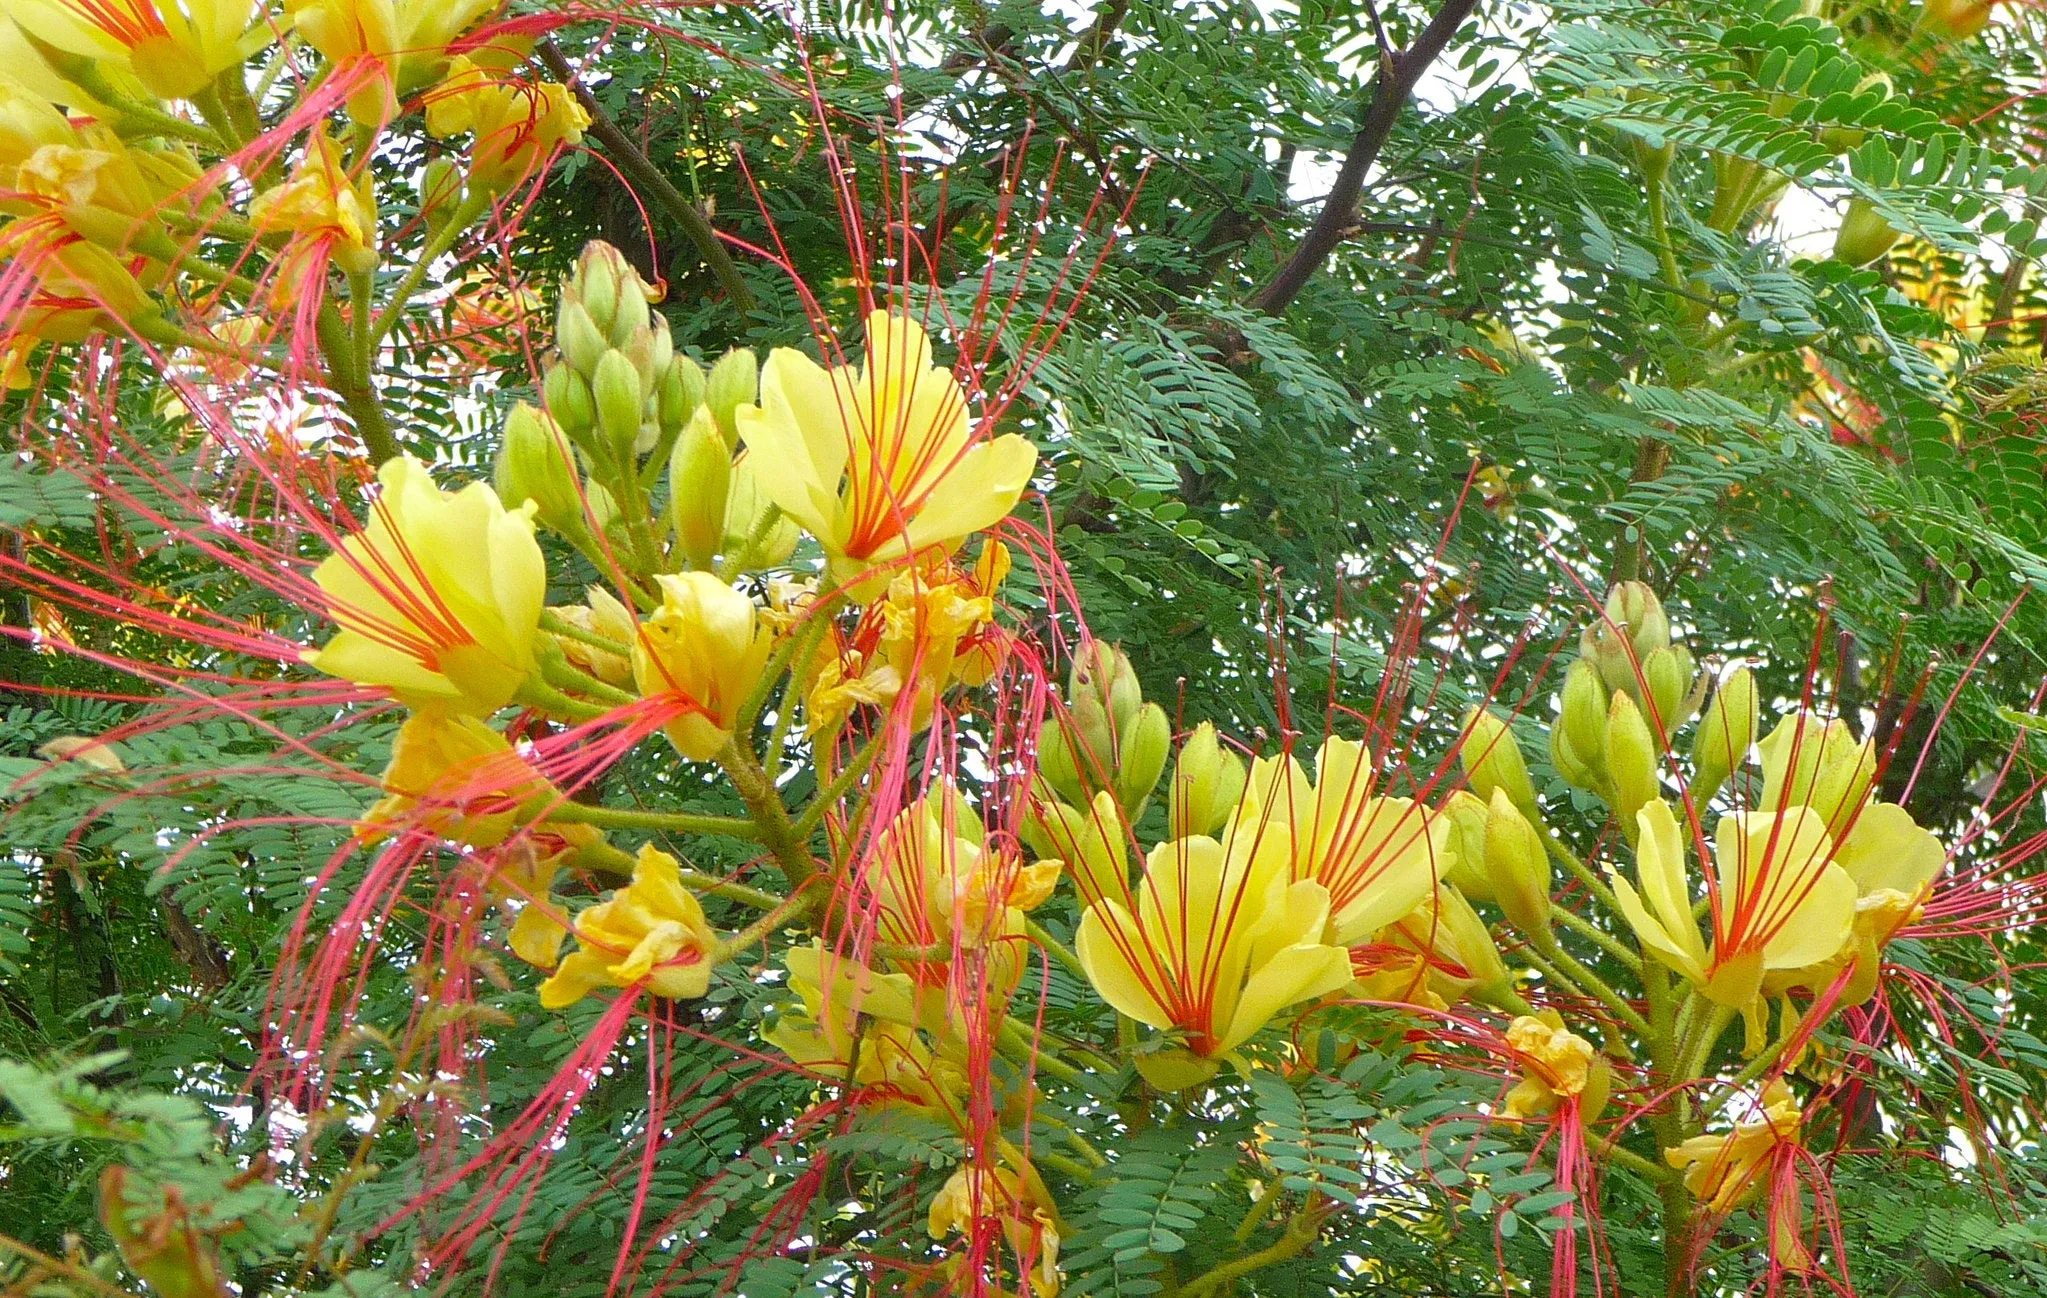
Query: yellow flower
point(462, 780)
point(404, 42)
point(1781, 901)
point(1819, 766)
point(1456, 952)
point(1893, 863)
point(879, 461)
point(601, 616)
point(78, 287)
point(175, 48)
point(1220, 943)
point(522, 875)
point(324, 209)
point(1555, 1064)
point(517, 125)
point(705, 648)
point(854, 1023)
point(438, 598)
point(1018, 1200)
point(1378, 857)
point(1721, 1170)
point(652, 930)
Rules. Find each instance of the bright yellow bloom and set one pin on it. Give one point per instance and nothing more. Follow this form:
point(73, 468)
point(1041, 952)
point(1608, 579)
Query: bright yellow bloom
point(1222, 941)
point(1555, 1064)
point(1018, 1200)
point(323, 208)
point(935, 628)
point(404, 42)
point(653, 930)
point(1721, 1170)
point(458, 778)
point(1819, 766)
point(859, 1025)
point(879, 461)
point(438, 598)
point(521, 877)
point(1781, 903)
point(175, 48)
point(517, 124)
point(23, 67)
point(1378, 857)
point(705, 647)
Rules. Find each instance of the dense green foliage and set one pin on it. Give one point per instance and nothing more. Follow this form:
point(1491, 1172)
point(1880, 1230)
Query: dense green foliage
point(1538, 361)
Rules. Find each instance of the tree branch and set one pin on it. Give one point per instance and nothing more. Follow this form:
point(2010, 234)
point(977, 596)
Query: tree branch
point(643, 172)
point(1391, 89)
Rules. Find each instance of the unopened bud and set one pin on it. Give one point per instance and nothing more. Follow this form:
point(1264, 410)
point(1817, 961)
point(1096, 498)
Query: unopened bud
point(536, 463)
point(604, 616)
point(1141, 757)
point(615, 388)
point(1103, 671)
point(699, 485)
point(1518, 867)
point(1726, 733)
point(1056, 766)
point(1466, 813)
point(1632, 627)
point(1493, 762)
point(1092, 739)
point(567, 397)
point(1864, 235)
point(440, 188)
point(1577, 739)
point(734, 381)
point(1463, 937)
point(652, 351)
point(682, 391)
point(1208, 782)
point(612, 292)
point(1630, 760)
point(1091, 843)
point(582, 343)
point(1670, 673)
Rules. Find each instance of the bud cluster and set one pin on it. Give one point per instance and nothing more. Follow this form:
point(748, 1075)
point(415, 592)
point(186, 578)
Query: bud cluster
point(1111, 740)
point(619, 404)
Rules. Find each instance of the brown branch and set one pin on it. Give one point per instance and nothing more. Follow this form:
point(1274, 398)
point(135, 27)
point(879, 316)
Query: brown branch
point(1391, 90)
point(641, 169)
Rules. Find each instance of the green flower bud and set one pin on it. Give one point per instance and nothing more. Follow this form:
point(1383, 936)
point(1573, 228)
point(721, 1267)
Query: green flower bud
point(1093, 740)
point(1630, 761)
point(1102, 670)
point(1517, 867)
point(1056, 766)
point(608, 287)
point(1493, 762)
point(735, 381)
point(1466, 868)
point(536, 463)
point(682, 391)
point(567, 397)
point(1633, 627)
point(1577, 740)
point(1726, 733)
point(582, 343)
point(746, 509)
point(1864, 235)
point(1141, 758)
point(652, 351)
point(1091, 843)
point(1670, 674)
point(620, 400)
point(1208, 782)
point(603, 505)
point(699, 486)
point(440, 189)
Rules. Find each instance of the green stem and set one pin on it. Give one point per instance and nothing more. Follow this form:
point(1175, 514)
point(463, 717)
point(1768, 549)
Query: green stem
point(770, 814)
point(568, 676)
point(612, 860)
point(1597, 986)
point(1692, 1060)
point(1657, 1172)
point(666, 822)
point(537, 693)
point(1584, 873)
point(552, 623)
point(1056, 948)
point(786, 912)
point(358, 398)
point(841, 784)
point(471, 207)
point(1302, 1229)
point(1598, 937)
